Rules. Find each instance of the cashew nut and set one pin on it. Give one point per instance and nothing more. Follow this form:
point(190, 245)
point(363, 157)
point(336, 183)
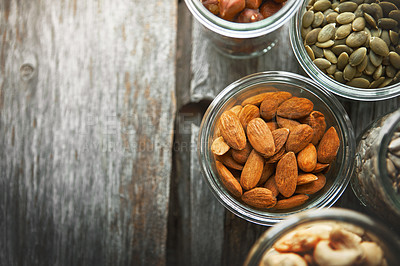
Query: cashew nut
point(373, 254)
point(342, 239)
point(302, 240)
point(287, 259)
point(325, 255)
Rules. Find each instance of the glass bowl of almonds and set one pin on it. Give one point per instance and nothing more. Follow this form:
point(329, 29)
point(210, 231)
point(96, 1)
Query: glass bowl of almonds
point(351, 47)
point(328, 237)
point(276, 143)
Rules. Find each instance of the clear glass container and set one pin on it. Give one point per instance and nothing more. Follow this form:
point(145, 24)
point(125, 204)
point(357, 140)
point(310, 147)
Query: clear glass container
point(330, 84)
point(340, 171)
point(350, 220)
point(371, 182)
point(242, 40)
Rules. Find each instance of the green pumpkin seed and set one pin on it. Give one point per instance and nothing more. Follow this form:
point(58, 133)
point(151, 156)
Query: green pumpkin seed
point(330, 56)
point(349, 72)
point(358, 24)
point(318, 19)
point(395, 14)
point(304, 32)
point(322, 5)
point(390, 71)
point(310, 52)
point(370, 69)
point(339, 76)
point(345, 18)
point(387, 23)
point(394, 37)
point(356, 39)
point(385, 37)
point(379, 46)
point(396, 2)
point(322, 63)
point(378, 72)
point(312, 36)
point(338, 49)
point(357, 56)
point(358, 83)
point(378, 12)
point(359, 12)
point(318, 52)
point(361, 67)
point(342, 61)
point(308, 19)
point(376, 83)
point(326, 33)
point(346, 7)
point(394, 59)
point(331, 70)
point(326, 44)
point(331, 18)
point(370, 20)
point(343, 31)
point(375, 59)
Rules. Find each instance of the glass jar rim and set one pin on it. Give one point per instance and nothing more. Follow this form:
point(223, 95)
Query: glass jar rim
point(242, 30)
point(333, 214)
point(265, 218)
point(332, 85)
point(386, 134)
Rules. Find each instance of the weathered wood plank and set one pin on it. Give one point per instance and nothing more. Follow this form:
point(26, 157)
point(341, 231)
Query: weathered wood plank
point(87, 108)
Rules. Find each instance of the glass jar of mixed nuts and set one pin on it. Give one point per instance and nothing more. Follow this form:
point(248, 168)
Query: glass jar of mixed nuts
point(239, 28)
point(326, 237)
point(376, 180)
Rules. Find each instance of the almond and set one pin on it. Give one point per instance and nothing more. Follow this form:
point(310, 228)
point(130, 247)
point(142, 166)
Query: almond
point(316, 120)
point(259, 197)
point(287, 123)
point(286, 174)
point(320, 167)
point(248, 113)
point(232, 130)
point(236, 109)
point(312, 187)
point(328, 146)
point(272, 125)
point(256, 99)
point(307, 158)
point(229, 181)
point(299, 138)
point(303, 179)
point(242, 155)
point(219, 146)
point(291, 202)
point(271, 185)
point(277, 156)
point(228, 161)
point(260, 137)
point(268, 171)
point(295, 108)
point(271, 103)
point(252, 170)
point(280, 136)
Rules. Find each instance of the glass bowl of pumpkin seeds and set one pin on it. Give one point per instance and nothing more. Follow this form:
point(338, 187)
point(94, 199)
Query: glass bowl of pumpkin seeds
point(351, 47)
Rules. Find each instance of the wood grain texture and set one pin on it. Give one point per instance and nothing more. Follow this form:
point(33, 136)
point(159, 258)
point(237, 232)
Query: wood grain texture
point(87, 104)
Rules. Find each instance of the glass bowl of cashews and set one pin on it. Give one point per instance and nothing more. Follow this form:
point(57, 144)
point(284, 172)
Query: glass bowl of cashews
point(326, 237)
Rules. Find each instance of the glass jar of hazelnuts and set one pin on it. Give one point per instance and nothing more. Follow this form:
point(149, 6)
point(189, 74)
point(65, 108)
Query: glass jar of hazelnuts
point(273, 144)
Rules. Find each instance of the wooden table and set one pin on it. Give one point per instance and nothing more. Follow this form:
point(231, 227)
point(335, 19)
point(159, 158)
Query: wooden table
point(100, 103)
